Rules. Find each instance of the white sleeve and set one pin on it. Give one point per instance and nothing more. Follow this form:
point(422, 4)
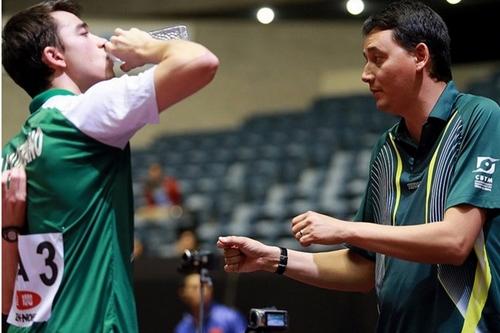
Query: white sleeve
point(112, 111)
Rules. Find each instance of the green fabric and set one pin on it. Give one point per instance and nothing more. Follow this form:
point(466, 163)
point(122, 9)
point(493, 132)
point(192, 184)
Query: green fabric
point(414, 184)
point(81, 188)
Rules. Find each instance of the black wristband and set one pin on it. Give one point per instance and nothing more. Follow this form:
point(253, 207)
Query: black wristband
point(10, 233)
point(283, 261)
point(5, 325)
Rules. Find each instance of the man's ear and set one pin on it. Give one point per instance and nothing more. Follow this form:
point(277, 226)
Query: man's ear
point(422, 56)
point(53, 57)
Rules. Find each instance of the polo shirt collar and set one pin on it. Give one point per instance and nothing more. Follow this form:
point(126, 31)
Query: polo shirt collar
point(43, 97)
point(440, 113)
point(444, 105)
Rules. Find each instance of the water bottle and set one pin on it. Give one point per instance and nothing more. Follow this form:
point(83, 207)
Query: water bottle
point(166, 33)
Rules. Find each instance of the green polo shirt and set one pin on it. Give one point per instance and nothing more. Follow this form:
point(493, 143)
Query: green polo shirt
point(80, 190)
point(456, 162)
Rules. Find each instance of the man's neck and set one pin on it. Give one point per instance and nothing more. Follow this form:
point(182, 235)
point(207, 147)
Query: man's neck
point(195, 312)
point(63, 81)
point(416, 115)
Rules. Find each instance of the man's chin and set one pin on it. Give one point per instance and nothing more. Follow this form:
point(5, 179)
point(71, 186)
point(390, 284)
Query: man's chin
point(381, 106)
point(110, 74)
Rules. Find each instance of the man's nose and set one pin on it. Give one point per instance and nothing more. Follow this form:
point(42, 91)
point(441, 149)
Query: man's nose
point(367, 75)
point(100, 40)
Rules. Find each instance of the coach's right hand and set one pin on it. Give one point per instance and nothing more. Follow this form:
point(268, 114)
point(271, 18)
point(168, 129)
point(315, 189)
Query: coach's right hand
point(242, 254)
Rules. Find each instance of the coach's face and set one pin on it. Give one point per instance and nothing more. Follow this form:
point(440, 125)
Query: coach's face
point(85, 59)
point(390, 71)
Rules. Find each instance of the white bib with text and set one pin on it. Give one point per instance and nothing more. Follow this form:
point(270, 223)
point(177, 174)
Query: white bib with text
point(41, 266)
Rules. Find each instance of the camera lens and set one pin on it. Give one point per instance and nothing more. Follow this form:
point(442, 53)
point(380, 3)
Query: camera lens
point(253, 318)
point(196, 260)
point(187, 255)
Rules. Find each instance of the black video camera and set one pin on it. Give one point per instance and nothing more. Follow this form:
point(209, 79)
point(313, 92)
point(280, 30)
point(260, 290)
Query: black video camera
point(194, 261)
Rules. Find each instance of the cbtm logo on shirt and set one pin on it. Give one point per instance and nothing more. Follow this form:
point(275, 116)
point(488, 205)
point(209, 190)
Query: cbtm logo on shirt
point(485, 168)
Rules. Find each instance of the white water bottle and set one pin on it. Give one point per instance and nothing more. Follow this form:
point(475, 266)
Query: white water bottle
point(174, 32)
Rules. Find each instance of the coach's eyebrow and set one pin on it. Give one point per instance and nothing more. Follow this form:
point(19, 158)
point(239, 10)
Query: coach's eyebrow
point(83, 26)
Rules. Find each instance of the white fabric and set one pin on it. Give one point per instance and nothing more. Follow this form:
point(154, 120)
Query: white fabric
point(42, 260)
point(112, 111)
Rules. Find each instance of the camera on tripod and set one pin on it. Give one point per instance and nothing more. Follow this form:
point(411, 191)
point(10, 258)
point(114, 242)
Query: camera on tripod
point(198, 262)
point(195, 261)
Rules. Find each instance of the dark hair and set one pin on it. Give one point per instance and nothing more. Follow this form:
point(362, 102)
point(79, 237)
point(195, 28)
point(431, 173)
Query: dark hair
point(412, 23)
point(24, 38)
point(182, 282)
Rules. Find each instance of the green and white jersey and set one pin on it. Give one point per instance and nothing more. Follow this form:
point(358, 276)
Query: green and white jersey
point(75, 272)
point(455, 163)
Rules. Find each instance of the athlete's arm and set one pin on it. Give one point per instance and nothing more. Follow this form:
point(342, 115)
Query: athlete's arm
point(13, 215)
point(183, 67)
point(447, 242)
point(340, 270)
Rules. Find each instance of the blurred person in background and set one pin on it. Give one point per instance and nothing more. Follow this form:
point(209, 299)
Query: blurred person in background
point(162, 196)
point(161, 189)
point(74, 257)
point(187, 239)
point(218, 318)
point(427, 234)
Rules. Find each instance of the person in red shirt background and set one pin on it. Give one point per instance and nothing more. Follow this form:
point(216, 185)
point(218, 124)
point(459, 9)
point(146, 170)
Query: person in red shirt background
point(161, 189)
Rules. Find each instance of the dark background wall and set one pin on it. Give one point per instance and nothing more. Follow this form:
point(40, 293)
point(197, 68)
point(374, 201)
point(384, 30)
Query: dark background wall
point(309, 309)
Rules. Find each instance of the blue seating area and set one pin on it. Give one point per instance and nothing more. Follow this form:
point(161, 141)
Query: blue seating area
point(489, 87)
point(253, 180)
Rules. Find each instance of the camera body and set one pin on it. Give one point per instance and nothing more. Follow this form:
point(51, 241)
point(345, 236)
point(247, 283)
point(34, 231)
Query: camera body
point(195, 261)
point(267, 320)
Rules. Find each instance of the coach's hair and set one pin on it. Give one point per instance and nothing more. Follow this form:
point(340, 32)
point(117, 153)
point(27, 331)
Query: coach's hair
point(412, 23)
point(24, 38)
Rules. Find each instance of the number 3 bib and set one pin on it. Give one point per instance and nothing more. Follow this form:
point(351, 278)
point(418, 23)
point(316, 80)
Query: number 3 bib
point(41, 266)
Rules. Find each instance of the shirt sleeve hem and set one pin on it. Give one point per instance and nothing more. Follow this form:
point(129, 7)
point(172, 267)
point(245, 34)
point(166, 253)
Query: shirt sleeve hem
point(480, 203)
point(362, 252)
